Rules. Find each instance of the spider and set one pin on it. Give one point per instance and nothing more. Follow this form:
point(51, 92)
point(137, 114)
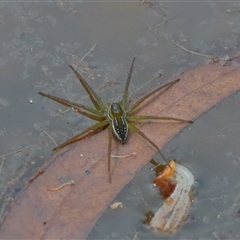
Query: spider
point(116, 116)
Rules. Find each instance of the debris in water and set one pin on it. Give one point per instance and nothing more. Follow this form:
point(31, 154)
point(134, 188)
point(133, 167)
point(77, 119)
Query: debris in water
point(175, 183)
point(116, 205)
point(62, 186)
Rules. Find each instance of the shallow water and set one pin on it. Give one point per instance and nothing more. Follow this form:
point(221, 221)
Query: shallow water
point(209, 149)
point(37, 38)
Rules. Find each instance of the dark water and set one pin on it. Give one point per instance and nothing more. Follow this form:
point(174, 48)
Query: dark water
point(38, 38)
point(209, 149)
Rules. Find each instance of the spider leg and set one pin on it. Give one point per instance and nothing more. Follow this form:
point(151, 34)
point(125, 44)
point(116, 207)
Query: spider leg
point(89, 115)
point(96, 100)
point(137, 118)
point(139, 132)
point(86, 133)
point(71, 104)
point(125, 94)
point(136, 104)
point(98, 117)
point(109, 152)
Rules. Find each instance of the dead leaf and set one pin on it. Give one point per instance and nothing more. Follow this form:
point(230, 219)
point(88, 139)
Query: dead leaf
point(72, 212)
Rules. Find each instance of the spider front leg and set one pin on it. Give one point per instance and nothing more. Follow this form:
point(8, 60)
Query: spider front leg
point(109, 151)
point(96, 100)
point(137, 104)
point(86, 133)
point(75, 106)
point(137, 118)
point(125, 94)
point(139, 132)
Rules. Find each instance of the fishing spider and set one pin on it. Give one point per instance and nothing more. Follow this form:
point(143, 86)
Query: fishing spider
point(116, 116)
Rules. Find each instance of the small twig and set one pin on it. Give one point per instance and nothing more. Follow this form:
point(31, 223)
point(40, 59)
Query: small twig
point(141, 197)
point(50, 137)
point(17, 151)
point(200, 54)
point(90, 50)
point(110, 83)
point(62, 112)
point(161, 24)
point(2, 210)
point(40, 172)
point(135, 235)
point(1, 165)
point(79, 64)
point(125, 156)
point(63, 185)
point(152, 79)
point(24, 168)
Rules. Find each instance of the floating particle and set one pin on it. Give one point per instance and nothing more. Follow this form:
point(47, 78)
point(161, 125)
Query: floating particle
point(116, 205)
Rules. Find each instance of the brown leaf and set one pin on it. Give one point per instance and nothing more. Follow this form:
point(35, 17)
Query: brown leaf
point(72, 211)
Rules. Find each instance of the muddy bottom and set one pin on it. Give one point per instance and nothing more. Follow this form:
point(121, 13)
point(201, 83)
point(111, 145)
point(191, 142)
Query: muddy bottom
point(209, 148)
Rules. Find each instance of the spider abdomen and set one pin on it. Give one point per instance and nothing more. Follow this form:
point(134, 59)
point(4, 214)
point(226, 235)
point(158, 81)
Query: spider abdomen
point(117, 115)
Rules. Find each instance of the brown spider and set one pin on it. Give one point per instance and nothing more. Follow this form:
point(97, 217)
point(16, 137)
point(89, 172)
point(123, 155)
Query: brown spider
point(116, 116)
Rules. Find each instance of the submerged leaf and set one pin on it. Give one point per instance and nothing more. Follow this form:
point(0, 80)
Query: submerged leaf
point(71, 212)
